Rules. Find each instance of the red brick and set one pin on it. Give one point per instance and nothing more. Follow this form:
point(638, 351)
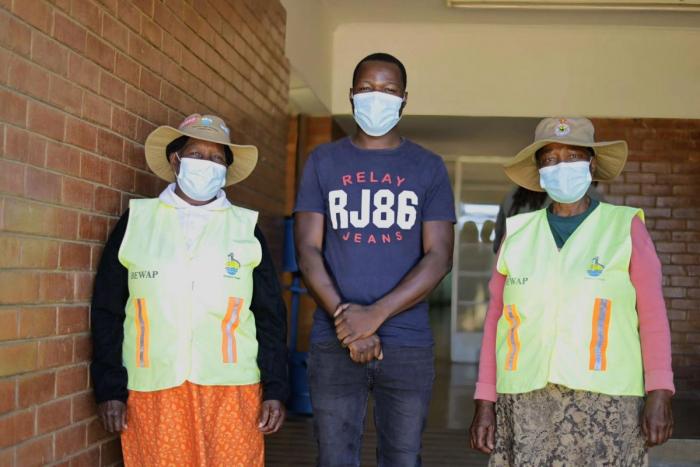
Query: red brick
point(87, 14)
point(112, 88)
point(127, 69)
point(150, 83)
point(37, 452)
point(46, 120)
point(56, 287)
point(36, 151)
point(77, 193)
point(123, 122)
point(13, 109)
point(9, 325)
point(71, 380)
point(110, 452)
point(107, 201)
point(93, 228)
point(65, 95)
point(136, 101)
point(14, 35)
point(75, 256)
point(96, 255)
point(53, 415)
point(89, 458)
point(97, 109)
point(83, 72)
point(146, 6)
point(38, 14)
point(81, 134)
point(55, 352)
point(36, 389)
point(134, 155)
point(94, 168)
point(16, 427)
point(82, 349)
point(28, 78)
point(17, 357)
point(110, 145)
point(11, 179)
point(151, 32)
point(83, 406)
point(69, 33)
point(43, 185)
point(115, 32)
point(71, 440)
point(143, 129)
point(128, 14)
point(100, 52)
point(49, 53)
point(145, 53)
point(72, 319)
point(123, 177)
point(18, 287)
point(37, 322)
point(8, 390)
point(96, 431)
point(38, 253)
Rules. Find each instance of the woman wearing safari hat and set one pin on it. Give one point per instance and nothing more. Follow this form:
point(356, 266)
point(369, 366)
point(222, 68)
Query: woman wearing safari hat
point(188, 324)
point(576, 357)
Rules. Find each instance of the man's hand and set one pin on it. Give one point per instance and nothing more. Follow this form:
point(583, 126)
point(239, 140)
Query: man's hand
point(272, 417)
point(365, 350)
point(353, 322)
point(113, 415)
point(482, 433)
point(657, 419)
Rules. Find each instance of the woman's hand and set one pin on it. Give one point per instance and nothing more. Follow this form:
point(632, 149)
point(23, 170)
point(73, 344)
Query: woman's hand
point(657, 419)
point(272, 417)
point(113, 415)
point(482, 433)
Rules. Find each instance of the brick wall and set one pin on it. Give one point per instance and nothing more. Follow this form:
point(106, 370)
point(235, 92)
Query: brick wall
point(662, 176)
point(81, 85)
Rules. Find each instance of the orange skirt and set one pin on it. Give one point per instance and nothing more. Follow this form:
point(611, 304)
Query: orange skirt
point(193, 425)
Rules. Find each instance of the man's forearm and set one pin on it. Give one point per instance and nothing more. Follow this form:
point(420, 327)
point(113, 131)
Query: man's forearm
point(317, 280)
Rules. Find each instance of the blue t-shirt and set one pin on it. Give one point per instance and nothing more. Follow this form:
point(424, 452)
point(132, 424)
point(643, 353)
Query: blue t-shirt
point(374, 201)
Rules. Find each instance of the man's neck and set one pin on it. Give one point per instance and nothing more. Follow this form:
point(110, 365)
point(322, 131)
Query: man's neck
point(390, 140)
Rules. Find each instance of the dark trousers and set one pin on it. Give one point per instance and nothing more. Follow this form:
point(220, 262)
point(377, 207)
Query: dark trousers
point(401, 386)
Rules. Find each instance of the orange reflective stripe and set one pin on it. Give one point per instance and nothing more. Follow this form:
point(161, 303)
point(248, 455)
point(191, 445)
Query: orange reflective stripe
point(143, 334)
point(512, 338)
point(228, 327)
point(602, 309)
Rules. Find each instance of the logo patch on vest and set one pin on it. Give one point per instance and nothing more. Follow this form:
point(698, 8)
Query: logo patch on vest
point(595, 269)
point(133, 275)
point(516, 280)
point(232, 266)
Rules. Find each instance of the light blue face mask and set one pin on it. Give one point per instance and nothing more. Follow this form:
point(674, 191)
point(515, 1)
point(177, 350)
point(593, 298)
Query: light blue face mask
point(199, 179)
point(376, 112)
point(566, 182)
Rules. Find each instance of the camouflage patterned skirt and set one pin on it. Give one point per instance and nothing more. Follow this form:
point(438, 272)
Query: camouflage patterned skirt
point(557, 426)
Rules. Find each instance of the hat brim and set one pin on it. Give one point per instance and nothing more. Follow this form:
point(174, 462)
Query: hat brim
point(245, 157)
point(610, 160)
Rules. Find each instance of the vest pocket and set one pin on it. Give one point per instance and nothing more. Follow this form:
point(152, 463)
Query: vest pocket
point(512, 338)
point(602, 309)
point(143, 334)
point(228, 328)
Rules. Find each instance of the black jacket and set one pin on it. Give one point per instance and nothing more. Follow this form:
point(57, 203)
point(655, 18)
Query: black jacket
point(107, 322)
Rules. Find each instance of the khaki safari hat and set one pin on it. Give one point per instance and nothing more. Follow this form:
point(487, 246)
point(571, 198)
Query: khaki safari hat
point(610, 155)
point(204, 127)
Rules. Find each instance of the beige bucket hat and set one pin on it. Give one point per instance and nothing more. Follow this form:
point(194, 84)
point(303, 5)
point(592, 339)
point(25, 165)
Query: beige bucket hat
point(610, 155)
point(204, 127)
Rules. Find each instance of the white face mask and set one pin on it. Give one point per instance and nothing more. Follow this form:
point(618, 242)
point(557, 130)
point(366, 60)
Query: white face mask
point(376, 112)
point(566, 182)
point(199, 179)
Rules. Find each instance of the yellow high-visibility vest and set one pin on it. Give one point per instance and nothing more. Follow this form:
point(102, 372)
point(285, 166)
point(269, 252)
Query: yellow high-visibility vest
point(188, 315)
point(569, 315)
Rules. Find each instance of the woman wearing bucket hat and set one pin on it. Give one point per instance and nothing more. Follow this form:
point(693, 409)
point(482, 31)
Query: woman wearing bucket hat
point(188, 324)
point(576, 332)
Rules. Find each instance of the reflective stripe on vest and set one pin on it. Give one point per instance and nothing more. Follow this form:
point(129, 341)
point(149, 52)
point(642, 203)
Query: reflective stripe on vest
point(569, 315)
point(188, 316)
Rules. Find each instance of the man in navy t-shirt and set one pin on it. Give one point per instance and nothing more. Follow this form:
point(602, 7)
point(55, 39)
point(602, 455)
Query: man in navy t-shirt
point(374, 234)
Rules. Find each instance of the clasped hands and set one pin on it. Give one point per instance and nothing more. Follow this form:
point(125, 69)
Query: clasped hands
point(356, 327)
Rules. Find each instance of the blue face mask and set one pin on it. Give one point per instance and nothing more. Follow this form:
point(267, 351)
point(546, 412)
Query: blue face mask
point(566, 182)
point(376, 112)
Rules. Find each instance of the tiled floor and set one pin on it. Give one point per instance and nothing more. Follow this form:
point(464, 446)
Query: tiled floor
point(445, 439)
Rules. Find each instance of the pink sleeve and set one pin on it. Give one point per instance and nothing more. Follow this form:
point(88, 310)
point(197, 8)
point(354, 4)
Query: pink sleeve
point(486, 384)
point(654, 332)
